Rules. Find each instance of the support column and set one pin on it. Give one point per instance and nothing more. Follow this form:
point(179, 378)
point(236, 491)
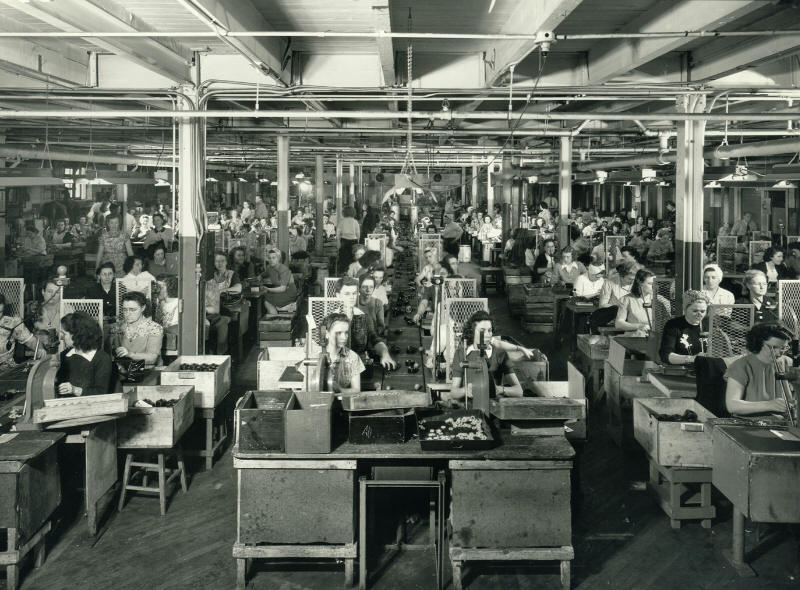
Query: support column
point(351, 195)
point(507, 198)
point(597, 196)
point(475, 186)
point(564, 188)
point(319, 184)
point(489, 189)
point(191, 168)
point(283, 194)
point(689, 199)
point(339, 189)
point(462, 190)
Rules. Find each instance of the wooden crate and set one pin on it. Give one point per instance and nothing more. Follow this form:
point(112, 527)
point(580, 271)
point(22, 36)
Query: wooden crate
point(621, 390)
point(294, 502)
point(30, 484)
point(386, 400)
point(309, 423)
point(593, 346)
point(273, 361)
point(673, 444)
point(516, 299)
point(69, 408)
point(382, 427)
point(263, 344)
point(156, 427)
point(496, 504)
point(209, 386)
point(260, 420)
point(620, 357)
point(276, 323)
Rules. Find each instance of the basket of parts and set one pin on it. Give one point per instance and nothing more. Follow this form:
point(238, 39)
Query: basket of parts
point(455, 430)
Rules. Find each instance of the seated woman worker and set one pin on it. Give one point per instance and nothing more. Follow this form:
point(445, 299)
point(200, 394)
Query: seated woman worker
point(681, 336)
point(344, 365)
point(363, 331)
point(752, 388)
point(502, 379)
point(85, 368)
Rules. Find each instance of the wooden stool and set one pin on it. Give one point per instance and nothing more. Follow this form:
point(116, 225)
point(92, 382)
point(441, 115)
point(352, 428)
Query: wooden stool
point(165, 476)
point(16, 550)
point(670, 485)
point(495, 273)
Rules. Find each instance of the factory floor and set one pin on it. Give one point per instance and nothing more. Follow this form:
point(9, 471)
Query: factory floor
point(622, 539)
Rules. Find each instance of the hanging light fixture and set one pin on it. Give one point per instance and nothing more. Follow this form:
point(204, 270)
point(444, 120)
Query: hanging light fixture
point(713, 184)
point(784, 184)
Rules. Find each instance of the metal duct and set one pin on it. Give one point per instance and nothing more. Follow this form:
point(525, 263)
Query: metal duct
point(756, 148)
point(62, 156)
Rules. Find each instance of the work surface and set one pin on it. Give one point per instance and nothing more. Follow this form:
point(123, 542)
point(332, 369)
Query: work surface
point(23, 446)
point(762, 441)
point(514, 448)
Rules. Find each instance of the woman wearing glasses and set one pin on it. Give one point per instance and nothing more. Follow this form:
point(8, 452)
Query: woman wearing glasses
point(752, 388)
point(137, 337)
point(681, 339)
point(635, 312)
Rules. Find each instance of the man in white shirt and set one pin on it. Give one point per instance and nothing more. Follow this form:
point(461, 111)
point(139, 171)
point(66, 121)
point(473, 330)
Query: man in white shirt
point(590, 229)
point(591, 283)
point(744, 225)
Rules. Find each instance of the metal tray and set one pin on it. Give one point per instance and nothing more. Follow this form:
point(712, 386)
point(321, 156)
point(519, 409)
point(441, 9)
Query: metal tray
point(386, 400)
point(427, 423)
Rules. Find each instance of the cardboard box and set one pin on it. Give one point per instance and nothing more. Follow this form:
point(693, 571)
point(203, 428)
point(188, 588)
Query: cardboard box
point(156, 427)
point(209, 386)
point(309, 423)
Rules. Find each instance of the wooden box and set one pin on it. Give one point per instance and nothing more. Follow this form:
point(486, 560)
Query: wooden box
point(593, 346)
point(673, 444)
point(68, 408)
point(30, 484)
point(156, 427)
point(309, 423)
point(209, 386)
point(273, 361)
point(503, 504)
point(621, 390)
point(620, 352)
point(296, 502)
point(758, 472)
point(386, 400)
point(276, 323)
point(260, 420)
point(386, 426)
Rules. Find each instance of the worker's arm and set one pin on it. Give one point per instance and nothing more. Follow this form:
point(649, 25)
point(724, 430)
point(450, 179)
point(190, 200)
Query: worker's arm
point(511, 386)
point(734, 402)
point(622, 323)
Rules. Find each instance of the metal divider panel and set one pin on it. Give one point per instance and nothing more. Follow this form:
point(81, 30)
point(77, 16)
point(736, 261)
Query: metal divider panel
point(93, 307)
point(663, 302)
point(757, 248)
point(122, 289)
point(789, 305)
point(728, 326)
point(459, 309)
point(726, 253)
point(14, 291)
point(330, 286)
point(459, 288)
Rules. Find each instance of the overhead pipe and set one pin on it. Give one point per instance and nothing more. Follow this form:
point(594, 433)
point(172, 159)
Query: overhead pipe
point(537, 36)
point(390, 115)
point(67, 156)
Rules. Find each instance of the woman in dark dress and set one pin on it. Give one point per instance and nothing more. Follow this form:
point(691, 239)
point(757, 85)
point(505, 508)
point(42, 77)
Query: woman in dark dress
point(85, 368)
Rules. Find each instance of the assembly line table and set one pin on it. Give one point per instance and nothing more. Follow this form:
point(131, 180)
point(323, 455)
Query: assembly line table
point(511, 502)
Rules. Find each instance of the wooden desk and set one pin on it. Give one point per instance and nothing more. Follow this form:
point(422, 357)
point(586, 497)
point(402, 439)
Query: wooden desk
point(578, 311)
point(674, 385)
point(509, 480)
point(30, 490)
point(759, 473)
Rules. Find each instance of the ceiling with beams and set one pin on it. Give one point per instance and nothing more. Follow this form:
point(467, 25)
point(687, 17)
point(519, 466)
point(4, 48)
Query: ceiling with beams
point(325, 72)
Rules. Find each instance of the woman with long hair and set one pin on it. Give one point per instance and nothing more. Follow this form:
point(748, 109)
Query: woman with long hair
point(635, 313)
point(344, 365)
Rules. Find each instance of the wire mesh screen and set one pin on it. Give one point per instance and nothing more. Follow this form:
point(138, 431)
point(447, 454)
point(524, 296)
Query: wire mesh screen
point(456, 313)
point(726, 253)
point(318, 309)
point(221, 239)
point(13, 290)
point(330, 286)
point(789, 305)
point(459, 288)
point(663, 302)
point(612, 246)
point(728, 326)
point(757, 248)
point(123, 288)
point(94, 307)
point(425, 242)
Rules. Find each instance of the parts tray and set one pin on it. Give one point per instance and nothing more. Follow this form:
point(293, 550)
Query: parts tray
point(426, 422)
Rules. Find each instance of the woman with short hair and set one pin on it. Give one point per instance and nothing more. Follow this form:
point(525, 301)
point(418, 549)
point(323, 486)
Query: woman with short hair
point(635, 313)
point(280, 287)
point(85, 369)
point(137, 337)
point(773, 266)
point(567, 270)
point(756, 283)
point(712, 277)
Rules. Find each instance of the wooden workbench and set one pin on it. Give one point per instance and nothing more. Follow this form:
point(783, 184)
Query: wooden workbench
point(759, 472)
point(518, 490)
point(30, 490)
point(674, 385)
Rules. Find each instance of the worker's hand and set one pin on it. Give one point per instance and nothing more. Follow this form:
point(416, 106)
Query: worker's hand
point(528, 353)
point(69, 389)
point(784, 362)
point(778, 405)
point(121, 351)
point(387, 362)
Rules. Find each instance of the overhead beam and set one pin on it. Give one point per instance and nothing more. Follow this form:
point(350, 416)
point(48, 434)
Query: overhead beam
point(380, 16)
point(612, 59)
point(89, 15)
point(725, 56)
